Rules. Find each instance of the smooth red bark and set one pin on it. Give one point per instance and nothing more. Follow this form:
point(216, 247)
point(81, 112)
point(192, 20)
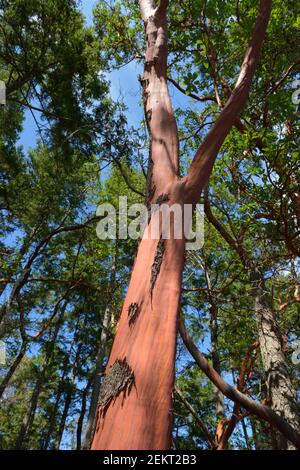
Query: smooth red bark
point(142, 418)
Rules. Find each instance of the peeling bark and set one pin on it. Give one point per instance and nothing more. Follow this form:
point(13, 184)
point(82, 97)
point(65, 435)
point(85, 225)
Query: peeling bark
point(157, 262)
point(119, 378)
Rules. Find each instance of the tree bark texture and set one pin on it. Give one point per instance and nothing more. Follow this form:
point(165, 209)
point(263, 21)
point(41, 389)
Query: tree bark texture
point(281, 392)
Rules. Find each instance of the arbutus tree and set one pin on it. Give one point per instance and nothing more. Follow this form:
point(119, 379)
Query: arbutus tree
point(135, 406)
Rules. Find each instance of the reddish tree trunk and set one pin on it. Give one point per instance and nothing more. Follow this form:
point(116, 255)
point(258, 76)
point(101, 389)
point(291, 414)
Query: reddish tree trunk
point(135, 408)
point(142, 419)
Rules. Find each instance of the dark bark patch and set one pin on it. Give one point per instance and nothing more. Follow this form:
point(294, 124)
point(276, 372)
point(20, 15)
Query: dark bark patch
point(144, 82)
point(158, 258)
point(149, 115)
point(133, 311)
point(120, 377)
point(161, 199)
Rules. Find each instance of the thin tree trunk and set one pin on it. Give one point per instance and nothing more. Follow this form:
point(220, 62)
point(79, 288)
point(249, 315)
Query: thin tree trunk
point(82, 414)
point(3, 285)
point(196, 417)
point(12, 369)
point(214, 339)
point(69, 395)
point(29, 416)
point(246, 436)
point(281, 393)
point(216, 358)
point(68, 400)
point(97, 379)
point(54, 412)
point(254, 433)
point(102, 351)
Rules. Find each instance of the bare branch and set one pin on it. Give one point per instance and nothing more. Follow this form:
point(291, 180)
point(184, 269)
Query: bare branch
point(191, 95)
point(285, 76)
point(262, 411)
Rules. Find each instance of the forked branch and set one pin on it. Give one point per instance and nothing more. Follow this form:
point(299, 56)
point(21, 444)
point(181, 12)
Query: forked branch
point(260, 410)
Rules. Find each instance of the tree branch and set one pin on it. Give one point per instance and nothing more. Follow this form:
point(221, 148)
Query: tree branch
point(191, 95)
point(222, 230)
point(23, 278)
point(284, 77)
point(195, 415)
point(126, 179)
point(203, 161)
point(233, 394)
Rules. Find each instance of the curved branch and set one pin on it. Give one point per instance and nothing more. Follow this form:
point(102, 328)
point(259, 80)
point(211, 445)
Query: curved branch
point(203, 161)
point(191, 95)
point(233, 394)
point(126, 179)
